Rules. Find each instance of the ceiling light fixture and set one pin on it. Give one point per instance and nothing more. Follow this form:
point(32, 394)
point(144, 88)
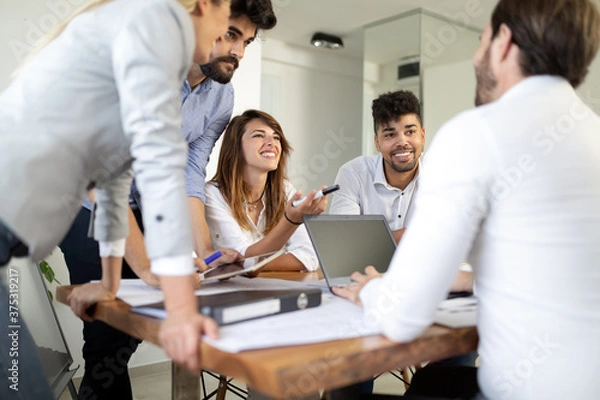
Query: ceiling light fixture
point(327, 41)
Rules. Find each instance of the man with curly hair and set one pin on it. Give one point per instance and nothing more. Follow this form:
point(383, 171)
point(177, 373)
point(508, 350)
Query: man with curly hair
point(385, 183)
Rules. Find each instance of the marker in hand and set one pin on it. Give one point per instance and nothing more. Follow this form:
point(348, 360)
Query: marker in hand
point(319, 194)
point(212, 257)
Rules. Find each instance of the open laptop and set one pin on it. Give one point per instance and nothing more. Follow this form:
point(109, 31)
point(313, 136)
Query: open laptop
point(348, 243)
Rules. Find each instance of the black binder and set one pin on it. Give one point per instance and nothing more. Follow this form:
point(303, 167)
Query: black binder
point(231, 307)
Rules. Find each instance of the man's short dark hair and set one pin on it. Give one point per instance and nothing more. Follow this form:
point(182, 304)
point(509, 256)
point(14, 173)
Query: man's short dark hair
point(259, 12)
point(556, 37)
point(391, 106)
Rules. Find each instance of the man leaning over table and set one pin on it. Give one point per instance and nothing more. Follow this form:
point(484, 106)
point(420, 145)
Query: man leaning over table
point(512, 186)
point(207, 104)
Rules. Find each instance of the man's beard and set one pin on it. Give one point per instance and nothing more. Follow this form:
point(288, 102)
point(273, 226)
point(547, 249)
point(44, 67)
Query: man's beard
point(216, 72)
point(486, 81)
point(404, 167)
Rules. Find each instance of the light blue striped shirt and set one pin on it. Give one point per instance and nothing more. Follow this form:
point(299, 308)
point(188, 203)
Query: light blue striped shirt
point(206, 111)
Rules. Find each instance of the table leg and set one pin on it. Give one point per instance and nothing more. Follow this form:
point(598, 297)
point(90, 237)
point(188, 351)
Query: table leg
point(184, 384)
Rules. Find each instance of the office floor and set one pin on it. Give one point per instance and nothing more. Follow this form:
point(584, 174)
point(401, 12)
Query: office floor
point(154, 383)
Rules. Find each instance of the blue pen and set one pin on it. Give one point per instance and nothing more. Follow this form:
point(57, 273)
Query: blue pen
point(212, 257)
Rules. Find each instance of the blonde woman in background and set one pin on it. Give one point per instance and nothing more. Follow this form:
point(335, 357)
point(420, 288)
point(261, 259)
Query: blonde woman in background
point(248, 202)
point(99, 99)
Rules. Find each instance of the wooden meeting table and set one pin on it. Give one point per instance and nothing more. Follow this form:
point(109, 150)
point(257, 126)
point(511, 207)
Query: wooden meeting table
point(294, 371)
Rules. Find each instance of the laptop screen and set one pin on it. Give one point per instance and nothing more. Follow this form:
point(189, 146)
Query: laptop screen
point(348, 243)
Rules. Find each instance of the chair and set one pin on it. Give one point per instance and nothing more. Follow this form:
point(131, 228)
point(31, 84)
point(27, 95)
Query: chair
point(224, 385)
point(404, 375)
point(353, 392)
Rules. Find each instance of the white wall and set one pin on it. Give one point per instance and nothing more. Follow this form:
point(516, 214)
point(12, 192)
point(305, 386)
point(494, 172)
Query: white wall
point(389, 79)
point(447, 90)
point(443, 42)
point(379, 79)
point(317, 98)
point(448, 80)
point(450, 89)
point(371, 78)
point(590, 89)
point(22, 23)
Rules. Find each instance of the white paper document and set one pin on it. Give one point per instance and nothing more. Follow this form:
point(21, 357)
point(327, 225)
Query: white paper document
point(136, 292)
point(334, 319)
point(457, 313)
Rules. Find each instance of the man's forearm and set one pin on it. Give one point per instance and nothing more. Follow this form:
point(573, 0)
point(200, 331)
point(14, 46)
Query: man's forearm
point(179, 294)
point(463, 282)
point(287, 262)
point(135, 252)
point(398, 234)
point(202, 243)
point(111, 273)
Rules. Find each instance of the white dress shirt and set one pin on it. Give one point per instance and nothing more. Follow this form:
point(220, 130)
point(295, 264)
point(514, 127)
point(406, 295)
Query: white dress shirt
point(225, 232)
point(514, 187)
point(365, 190)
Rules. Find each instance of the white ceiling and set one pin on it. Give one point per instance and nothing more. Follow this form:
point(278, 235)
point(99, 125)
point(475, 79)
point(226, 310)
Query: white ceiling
point(299, 19)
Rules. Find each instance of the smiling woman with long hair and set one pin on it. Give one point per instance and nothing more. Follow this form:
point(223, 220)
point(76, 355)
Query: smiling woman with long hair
point(248, 202)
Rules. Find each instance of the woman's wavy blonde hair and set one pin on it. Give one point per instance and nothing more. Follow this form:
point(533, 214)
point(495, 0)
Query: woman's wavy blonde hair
point(53, 33)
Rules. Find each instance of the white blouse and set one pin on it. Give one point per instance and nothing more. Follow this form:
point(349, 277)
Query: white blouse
point(225, 232)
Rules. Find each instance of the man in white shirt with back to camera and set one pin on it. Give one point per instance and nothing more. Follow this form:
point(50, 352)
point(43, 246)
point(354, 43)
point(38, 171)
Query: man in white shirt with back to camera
point(512, 186)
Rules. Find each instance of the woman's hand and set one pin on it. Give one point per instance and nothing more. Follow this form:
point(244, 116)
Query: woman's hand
point(85, 296)
point(228, 256)
point(179, 336)
point(310, 206)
